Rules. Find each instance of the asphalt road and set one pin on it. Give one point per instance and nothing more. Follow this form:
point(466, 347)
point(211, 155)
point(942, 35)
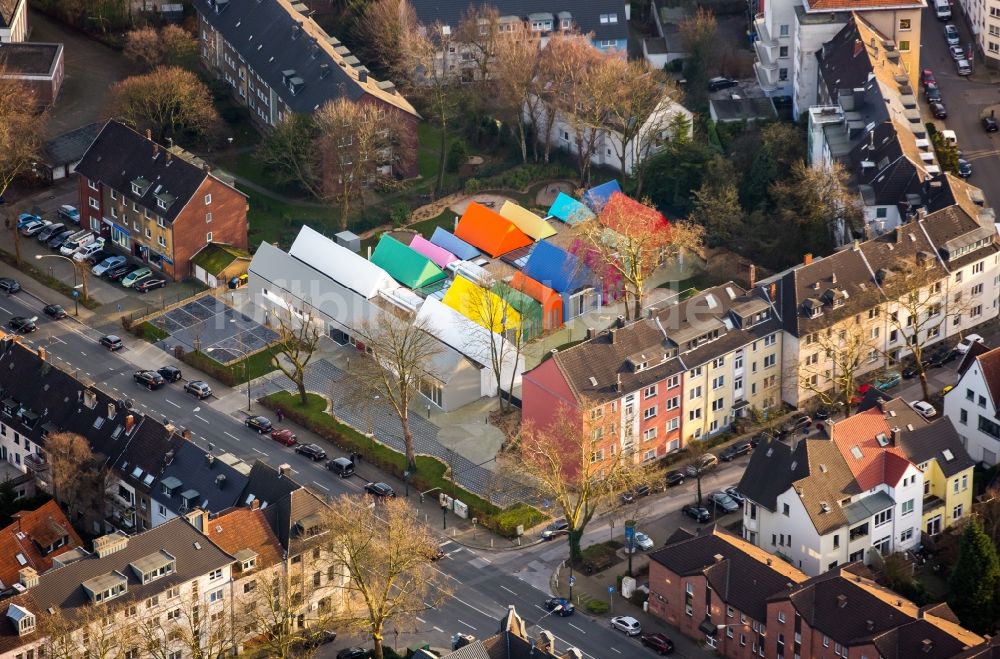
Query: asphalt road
point(967, 101)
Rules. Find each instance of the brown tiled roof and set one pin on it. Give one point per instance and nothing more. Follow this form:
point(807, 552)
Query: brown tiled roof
point(7, 9)
point(245, 528)
point(951, 223)
point(989, 363)
point(849, 5)
point(745, 575)
point(858, 434)
point(31, 532)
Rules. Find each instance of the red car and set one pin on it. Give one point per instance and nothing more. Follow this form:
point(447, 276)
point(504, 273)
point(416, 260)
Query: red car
point(927, 78)
point(284, 436)
point(658, 642)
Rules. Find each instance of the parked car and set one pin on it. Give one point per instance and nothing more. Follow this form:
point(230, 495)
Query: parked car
point(380, 490)
point(964, 67)
point(259, 423)
point(59, 239)
point(822, 413)
point(760, 438)
point(107, 264)
point(343, 467)
point(52, 229)
point(938, 109)
point(720, 83)
point(888, 380)
point(558, 527)
point(54, 311)
point(136, 276)
point(34, 228)
point(147, 285)
point(8, 285)
point(311, 451)
point(724, 502)
point(697, 513)
point(932, 92)
point(735, 494)
point(284, 436)
point(990, 125)
point(76, 243)
point(800, 422)
point(170, 373)
point(635, 493)
point(927, 77)
point(701, 465)
point(198, 388)
point(567, 606)
point(86, 252)
point(24, 219)
point(956, 52)
point(149, 379)
point(643, 541)
point(353, 653)
point(924, 408)
point(675, 478)
point(67, 212)
point(963, 346)
point(626, 624)
point(951, 35)
point(734, 451)
point(112, 342)
point(117, 272)
point(659, 643)
point(22, 324)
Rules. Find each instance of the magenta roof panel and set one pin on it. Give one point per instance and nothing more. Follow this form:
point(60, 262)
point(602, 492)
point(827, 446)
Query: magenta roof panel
point(439, 255)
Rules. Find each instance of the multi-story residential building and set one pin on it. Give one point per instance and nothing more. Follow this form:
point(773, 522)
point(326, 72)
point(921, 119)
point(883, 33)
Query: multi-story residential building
point(168, 586)
point(743, 602)
point(949, 239)
point(35, 539)
point(278, 61)
point(513, 641)
point(684, 372)
point(154, 206)
point(790, 33)
point(858, 492)
point(38, 67)
point(605, 21)
point(13, 21)
point(974, 404)
point(984, 20)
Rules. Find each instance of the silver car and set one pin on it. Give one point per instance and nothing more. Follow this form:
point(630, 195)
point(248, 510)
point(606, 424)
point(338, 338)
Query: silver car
point(198, 388)
point(626, 624)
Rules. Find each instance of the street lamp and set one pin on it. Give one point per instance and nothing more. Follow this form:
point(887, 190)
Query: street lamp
point(246, 362)
point(444, 515)
point(76, 285)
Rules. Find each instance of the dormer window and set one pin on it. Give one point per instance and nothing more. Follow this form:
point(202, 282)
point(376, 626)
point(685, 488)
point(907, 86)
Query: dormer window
point(106, 587)
point(154, 566)
point(22, 618)
point(136, 190)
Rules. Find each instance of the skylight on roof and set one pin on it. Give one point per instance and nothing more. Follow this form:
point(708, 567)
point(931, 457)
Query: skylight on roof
point(948, 455)
point(882, 439)
point(856, 452)
point(21, 559)
point(137, 472)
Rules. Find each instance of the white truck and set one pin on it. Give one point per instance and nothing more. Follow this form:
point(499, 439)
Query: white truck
point(87, 251)
point(942, 9)
point(76, 241)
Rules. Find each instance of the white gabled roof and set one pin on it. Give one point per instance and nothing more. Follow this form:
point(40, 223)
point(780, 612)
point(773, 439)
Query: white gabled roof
point(341, 264)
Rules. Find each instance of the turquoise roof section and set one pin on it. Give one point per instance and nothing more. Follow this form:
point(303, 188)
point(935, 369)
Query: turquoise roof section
point(449, 241)
point(598, 195)
point(405, 265)
point(569, 210)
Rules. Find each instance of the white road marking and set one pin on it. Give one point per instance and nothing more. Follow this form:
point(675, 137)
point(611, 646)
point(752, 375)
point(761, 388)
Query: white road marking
point(617, 650)
point(322, 486)
point(438, 630)
point(228, 435)
point(83, 353)
point(5, 311)
point(420, 620)
point(259, 451)
point(172, 403)
point(576, 628)
point(465, 623)
point(56, 338)
point(539, 608)
point(508, 590)
point(201, 418)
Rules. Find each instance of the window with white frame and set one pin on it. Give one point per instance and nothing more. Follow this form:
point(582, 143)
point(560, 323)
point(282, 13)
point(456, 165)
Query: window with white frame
point(93, 203)
point(649, 434)
point(208, 237)
point(649, 412)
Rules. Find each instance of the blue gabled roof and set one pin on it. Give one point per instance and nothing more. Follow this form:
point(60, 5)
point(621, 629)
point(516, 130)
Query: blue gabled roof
point(569, 210)
point(558, 269)
point(449, 241)
point(598, 195)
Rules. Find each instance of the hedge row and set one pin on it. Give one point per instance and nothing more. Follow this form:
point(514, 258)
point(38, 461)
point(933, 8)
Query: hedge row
point(430, 472)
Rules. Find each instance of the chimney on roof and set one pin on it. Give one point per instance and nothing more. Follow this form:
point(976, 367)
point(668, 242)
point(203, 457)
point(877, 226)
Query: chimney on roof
point(41, 354)
point(833, 278)
point(324, 71)
point(170, 157)
point(841, 601)
point(220, 481)
point(187, 434)
point(156, 150)
point(857, 245)
point(362, 76)
point(255, 504)
point(752, 276)
point(591, 333)
point(718, 558)
point(129, 423)
point(572, 653)
point(110, 543)
point(650, 312)
point(858, 47)
point(149, 134)
point(284, 468)
point(210, 459)
point(618, 382)
point(206, 167)
point(620, 321)
point(870, 624)
point(894, 433)
point(807, 259)
point(546, 642)
point(927, 645)
point(768, 561)
point(28, 576)
point(772, 291)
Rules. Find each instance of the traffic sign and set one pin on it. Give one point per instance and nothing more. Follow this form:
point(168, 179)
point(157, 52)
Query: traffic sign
point(572, 581)
point(611, 589)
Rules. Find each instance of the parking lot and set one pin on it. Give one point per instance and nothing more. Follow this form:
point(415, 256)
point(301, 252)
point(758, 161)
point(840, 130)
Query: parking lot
point(211, 325)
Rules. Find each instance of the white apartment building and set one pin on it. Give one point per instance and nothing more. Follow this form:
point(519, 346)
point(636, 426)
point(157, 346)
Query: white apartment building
point(983, 17)
point(974, 404)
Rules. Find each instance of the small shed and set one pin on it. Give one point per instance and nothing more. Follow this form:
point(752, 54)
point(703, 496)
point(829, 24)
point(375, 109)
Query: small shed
point(350, 240)
point(61, 154)
point(217, 263)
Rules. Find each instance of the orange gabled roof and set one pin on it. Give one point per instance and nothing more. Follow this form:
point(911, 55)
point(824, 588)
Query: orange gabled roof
point(857, 435)
point(245, 528)
point(534, 289)
point(490, 232)
point(33, 529)
point(854, 5)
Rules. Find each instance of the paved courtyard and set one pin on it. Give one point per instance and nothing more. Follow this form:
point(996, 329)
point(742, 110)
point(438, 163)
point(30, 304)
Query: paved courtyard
point(214, 326)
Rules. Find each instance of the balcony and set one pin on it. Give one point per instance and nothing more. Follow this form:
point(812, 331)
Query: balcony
point(766, 55)
point(763, 35)
point(932, 503)
point(36, 464)
point(767, 79)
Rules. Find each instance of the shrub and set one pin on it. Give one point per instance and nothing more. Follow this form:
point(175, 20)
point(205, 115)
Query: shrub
point(597, 607)
point(457, 155)
point(147, 331)
point(506, 522)
point(473, 185)
point(399, 214)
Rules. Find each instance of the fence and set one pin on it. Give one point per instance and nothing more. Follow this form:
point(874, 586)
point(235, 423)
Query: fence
point(131, 319)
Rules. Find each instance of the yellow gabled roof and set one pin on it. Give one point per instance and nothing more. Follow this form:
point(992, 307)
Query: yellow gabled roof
point(481, 306)
point(526, 221)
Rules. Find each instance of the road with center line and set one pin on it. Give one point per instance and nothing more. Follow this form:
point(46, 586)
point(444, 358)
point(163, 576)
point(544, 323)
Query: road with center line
point(483, 584)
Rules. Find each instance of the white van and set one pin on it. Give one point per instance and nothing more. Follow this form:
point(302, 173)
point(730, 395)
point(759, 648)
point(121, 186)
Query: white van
point(949, 137)
point(75, 242)
point(942, 9)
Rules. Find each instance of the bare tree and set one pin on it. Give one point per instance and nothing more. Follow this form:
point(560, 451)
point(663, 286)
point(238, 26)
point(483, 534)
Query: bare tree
point(100, 631)
point(637, 112)
point(289, 153)
point(192, 626)
point(403, 355)
point(20, 136)
point(517, 100)
point(169, 100)
point(171, 45)
point(478, 35)
point(384, 29)
point(76, 474)
point(831, 362)
point(298, 339)
point(387, 554)
point(356, 141)
point(815, 205)
point(562, 461)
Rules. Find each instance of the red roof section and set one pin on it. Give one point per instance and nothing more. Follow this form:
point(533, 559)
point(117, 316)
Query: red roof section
point(877, 464)
point(854, 5)
point(32, 531)
point(990, 363)
point(245, 528)
point(622, 213)
point(489, 231)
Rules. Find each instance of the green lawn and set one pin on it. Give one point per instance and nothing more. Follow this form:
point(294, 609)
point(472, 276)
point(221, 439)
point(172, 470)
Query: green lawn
point(235, 373)
point(278, 222)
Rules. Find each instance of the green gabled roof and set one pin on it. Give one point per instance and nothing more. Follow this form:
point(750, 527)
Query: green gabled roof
point(404, 264)
point(527, 306)
point(216, 257)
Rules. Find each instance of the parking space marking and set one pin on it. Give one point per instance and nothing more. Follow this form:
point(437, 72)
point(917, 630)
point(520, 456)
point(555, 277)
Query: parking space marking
point(259, 451)
point(322, 486)
point(462, 622)
point(508, 590)
point(420, 620)
point(576, 628)
point(5, 311)
point(617, 650)
point(201, 418)
point(438, 630)
point(229, 435)
point(172, 403)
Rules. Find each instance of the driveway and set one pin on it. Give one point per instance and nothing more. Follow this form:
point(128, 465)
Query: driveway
point(90, 69)
point(967, 99)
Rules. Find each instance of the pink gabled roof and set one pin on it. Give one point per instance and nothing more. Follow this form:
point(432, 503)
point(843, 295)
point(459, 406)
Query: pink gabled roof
point(439, 255)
